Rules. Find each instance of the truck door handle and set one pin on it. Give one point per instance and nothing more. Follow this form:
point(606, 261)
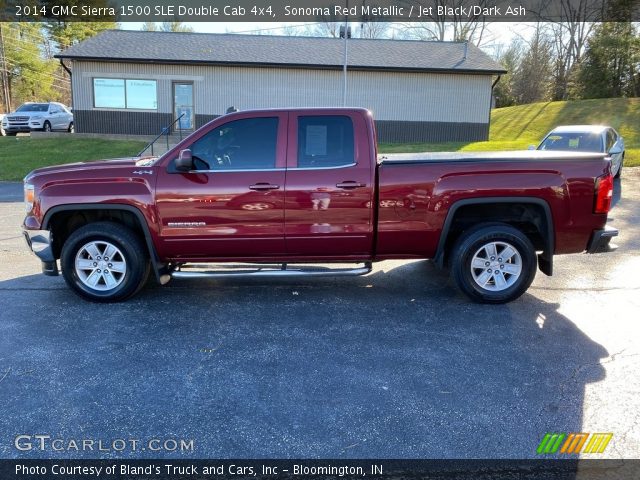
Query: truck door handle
point(350, 184)
point(263, 186)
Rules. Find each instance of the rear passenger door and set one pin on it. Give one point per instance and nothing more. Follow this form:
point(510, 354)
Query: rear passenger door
point(329, 186)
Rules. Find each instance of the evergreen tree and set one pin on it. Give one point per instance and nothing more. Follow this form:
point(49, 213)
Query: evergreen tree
point(532, 80)
point(175, 27)
point(611, 66)
point(510, 60)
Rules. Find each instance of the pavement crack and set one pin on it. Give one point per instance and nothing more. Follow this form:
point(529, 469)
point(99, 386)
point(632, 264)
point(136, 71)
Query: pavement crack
point(5, 374)
point(348, 447)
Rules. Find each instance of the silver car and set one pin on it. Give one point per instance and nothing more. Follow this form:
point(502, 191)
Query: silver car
point(48, 116)
point(587, 138)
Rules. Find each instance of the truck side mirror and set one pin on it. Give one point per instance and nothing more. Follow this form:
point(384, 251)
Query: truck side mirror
point(531, 147)
point(184, 162)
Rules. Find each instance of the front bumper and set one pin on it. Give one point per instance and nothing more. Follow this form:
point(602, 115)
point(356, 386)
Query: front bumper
point(39, 242)
point(599, 241)
point(16, 128)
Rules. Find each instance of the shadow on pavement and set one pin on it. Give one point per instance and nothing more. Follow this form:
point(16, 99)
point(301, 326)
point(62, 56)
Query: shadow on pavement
point(393, 365)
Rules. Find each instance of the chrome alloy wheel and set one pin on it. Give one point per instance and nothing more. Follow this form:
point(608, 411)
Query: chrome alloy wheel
point(496, 266)
point(100, 265)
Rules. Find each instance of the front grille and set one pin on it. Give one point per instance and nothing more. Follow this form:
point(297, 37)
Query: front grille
point(18, 119)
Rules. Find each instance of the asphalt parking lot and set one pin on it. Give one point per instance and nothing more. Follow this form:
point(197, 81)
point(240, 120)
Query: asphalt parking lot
point(396, 364)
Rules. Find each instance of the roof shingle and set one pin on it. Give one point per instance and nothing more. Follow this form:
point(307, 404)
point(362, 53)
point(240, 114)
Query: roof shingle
point(234, 49)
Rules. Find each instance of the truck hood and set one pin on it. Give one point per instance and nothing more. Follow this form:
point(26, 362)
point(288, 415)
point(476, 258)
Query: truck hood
point(97, 167)
point(11, 116)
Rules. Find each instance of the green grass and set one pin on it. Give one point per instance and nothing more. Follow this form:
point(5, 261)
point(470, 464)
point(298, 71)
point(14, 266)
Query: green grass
point(20, 155)
point(515, 128)
point(512, 128)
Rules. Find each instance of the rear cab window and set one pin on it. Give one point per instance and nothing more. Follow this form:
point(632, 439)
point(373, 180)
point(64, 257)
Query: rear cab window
point(325, 141)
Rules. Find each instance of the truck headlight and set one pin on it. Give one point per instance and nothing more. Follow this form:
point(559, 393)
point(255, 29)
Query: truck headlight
point(37, 117)
point(29, 196)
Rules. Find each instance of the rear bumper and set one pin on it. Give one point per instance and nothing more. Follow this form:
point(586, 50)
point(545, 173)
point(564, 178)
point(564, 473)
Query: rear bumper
point(599, 241)
point(39, 242)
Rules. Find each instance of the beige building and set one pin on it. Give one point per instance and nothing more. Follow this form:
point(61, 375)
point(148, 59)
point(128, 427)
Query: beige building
point(138, 82)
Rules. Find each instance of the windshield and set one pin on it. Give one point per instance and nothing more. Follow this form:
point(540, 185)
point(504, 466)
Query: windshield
point(33, 107)
point(573, 142)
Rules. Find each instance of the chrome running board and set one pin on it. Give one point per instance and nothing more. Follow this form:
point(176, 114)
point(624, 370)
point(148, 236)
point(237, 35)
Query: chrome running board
point(271, 271)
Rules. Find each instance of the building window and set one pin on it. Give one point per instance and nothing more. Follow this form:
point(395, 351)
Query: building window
point(120, 93)
point(325, 141)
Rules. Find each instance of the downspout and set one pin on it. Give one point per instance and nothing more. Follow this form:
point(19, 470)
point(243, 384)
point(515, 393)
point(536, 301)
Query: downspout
point(69, 71)
point(71, 84)
point(493, 85)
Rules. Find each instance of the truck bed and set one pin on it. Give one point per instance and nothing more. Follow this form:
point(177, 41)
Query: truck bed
point(417, 191)
point(510, 156)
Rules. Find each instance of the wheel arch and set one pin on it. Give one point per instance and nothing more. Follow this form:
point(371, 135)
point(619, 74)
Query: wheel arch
point(503, 211)
point(62, 220)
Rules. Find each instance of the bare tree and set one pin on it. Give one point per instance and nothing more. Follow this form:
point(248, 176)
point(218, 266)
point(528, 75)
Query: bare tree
point(325, 29)
point(369, 29)
point(456, 27)
point(531, 82)
point(292, 31)
point(569, 39)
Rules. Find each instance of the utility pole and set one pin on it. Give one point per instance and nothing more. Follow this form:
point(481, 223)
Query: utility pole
point(5, 77)
point(345, 34)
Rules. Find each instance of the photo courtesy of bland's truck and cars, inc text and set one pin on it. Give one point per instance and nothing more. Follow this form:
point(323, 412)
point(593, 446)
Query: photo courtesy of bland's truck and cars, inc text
point(319, 239)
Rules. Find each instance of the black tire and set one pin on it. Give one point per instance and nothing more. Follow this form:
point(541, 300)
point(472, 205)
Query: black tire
point(131, 249)
point(70, 129)
point(471, 244)
point(46, 127)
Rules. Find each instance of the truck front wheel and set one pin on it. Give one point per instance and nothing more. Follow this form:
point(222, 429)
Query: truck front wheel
point(104, 262)
point(493, 263)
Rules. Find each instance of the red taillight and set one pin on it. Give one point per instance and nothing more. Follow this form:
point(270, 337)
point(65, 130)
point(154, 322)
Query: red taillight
point(604, 193)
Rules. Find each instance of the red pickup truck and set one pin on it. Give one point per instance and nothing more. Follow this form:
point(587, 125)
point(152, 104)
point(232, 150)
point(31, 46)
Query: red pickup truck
point(285, 189)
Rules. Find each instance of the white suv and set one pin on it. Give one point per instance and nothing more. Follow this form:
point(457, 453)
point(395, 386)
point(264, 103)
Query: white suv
point(38, 116)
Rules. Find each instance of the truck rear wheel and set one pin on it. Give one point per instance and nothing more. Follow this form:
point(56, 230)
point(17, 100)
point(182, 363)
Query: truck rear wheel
point(104, 262)
point(493, 263)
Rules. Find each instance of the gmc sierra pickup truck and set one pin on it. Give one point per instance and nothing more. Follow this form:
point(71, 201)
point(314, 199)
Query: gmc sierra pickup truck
point(285, 189)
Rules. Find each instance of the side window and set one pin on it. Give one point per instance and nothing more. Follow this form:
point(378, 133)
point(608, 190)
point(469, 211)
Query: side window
point(245, 144)
point(611, 139)
point(325, 141)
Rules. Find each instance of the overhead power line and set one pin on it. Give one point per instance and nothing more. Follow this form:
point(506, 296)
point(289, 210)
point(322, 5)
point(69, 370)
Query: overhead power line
point(41, 75)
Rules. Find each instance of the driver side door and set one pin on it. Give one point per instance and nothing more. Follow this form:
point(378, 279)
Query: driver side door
point(231, 205)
